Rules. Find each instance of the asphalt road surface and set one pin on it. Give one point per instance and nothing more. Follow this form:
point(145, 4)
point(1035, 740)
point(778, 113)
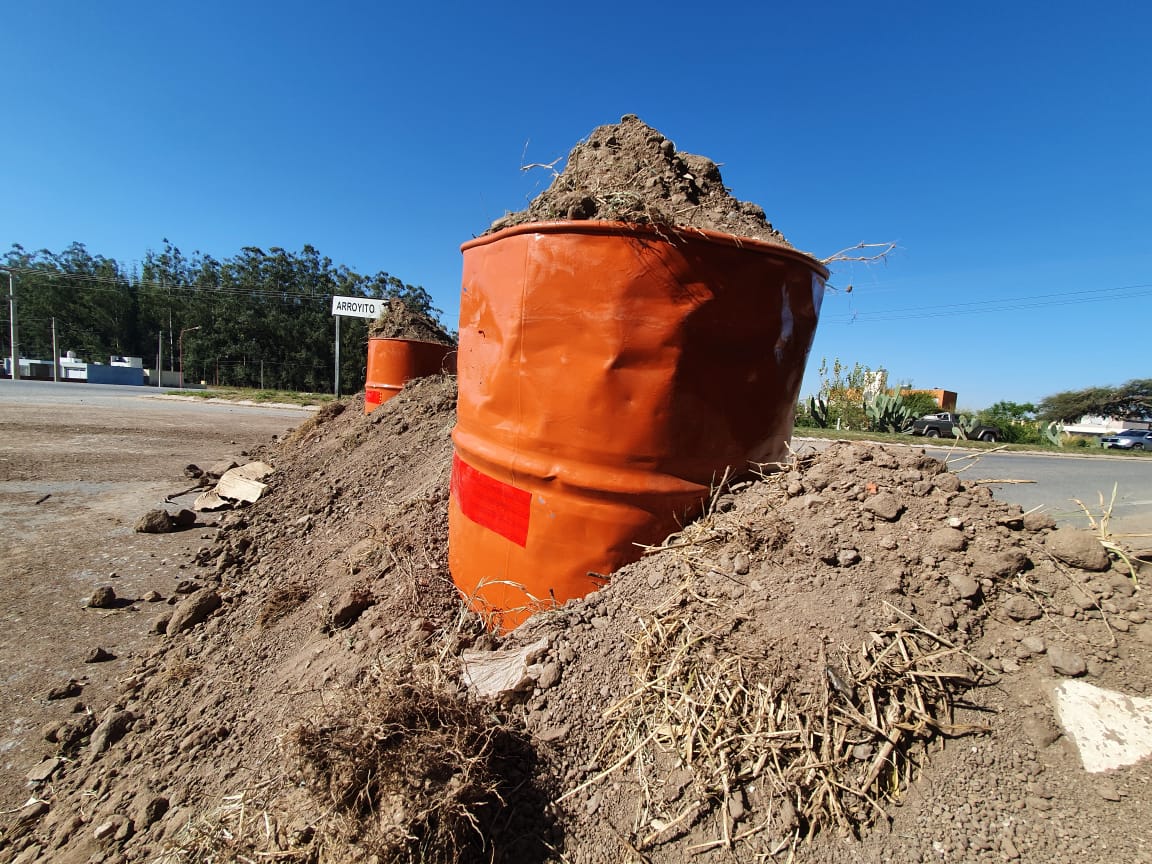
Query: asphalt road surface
point(1055, 482)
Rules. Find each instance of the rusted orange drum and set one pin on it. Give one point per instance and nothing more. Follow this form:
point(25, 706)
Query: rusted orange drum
point(394, 362)
point(608, 374)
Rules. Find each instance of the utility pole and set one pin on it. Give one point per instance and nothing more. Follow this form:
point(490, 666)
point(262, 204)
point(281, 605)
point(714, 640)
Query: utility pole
point(55, 355)
point(12, 321)
point(159, 357)
point(181, 340)
point(337, 357)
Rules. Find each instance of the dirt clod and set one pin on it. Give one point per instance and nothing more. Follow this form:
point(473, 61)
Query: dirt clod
point(156, 522)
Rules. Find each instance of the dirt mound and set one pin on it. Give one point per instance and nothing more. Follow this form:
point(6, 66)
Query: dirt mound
point(629, 172)
point(397, 321)
point(848, 659)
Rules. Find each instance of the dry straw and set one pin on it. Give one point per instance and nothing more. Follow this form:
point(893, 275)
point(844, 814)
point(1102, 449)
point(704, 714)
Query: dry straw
point(760, 752)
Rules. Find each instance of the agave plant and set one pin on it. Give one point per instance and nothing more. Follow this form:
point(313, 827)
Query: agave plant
point(964, 427)
point(818, 411)
point(1053, 433)
point(888, 413)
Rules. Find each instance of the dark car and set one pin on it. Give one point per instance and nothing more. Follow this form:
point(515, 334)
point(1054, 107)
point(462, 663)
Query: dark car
point(1129, 439)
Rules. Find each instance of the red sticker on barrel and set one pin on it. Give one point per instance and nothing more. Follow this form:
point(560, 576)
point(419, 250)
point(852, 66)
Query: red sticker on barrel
point(373, 397)
point(488, 502)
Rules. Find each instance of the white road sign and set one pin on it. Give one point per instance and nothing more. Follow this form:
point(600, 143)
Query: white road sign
point(357, 307)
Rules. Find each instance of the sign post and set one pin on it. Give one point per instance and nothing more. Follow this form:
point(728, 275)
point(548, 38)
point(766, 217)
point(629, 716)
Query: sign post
point(353, 307)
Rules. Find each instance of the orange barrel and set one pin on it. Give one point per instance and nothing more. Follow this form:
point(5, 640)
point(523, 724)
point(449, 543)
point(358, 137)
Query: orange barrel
point(394, 362)
point(608, 375)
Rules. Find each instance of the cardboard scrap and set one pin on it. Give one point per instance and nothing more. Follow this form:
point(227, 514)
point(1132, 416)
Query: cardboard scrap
point(236, 484)
point(497, 674)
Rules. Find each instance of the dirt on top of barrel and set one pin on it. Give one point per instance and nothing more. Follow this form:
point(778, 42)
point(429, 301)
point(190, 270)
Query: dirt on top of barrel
point(398, 321)
point(630, 172)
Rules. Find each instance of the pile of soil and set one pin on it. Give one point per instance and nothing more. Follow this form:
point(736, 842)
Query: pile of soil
point(397, 321)
point(730, 697)
point(629, 172)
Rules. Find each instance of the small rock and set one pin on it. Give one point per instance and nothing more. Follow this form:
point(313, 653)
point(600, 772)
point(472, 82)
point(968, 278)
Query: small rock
point(31, 813)
point(222, 467)
point(964, 584)
point(552, 734)
point(148, 809)
point(43, 771)
point(111, 730)
point(1082, 597)
point(184, 519)
point(1108, 791)
point(160, 625)
point(1122, 584)
point(349, 606)
point(1020, 608)
point(99, 655)
point(30, 854)
point(152, 597)
point(1038, 522)
point(947, 482)
point(65, 691)
point(155, 522)
point(193, 610)
point(1078, 548)
point(1008, 849)
point(884, 506)
point(549, 676)
point(847, 557)
point(1032, 644)
point(1065, 662)
point(947, 539)
point(115, 827)
point(946, 618)
point(103, 597)
point(1040, 730)
point(71, 733)
point(741, 563)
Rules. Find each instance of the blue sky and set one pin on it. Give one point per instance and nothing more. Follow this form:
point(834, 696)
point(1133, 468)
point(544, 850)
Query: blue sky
point(1003, 146)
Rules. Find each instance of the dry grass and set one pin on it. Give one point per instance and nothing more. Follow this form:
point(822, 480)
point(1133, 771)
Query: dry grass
point(410, 772)
point(804, 756)
point(282, 602)
point(242, 829)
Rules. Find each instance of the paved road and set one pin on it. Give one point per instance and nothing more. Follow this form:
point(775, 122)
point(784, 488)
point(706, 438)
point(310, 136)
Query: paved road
point(1054, 481)
point(71, 395)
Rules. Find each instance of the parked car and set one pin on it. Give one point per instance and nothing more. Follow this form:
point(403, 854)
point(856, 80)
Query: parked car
point(944, 425)
point(1129, 439)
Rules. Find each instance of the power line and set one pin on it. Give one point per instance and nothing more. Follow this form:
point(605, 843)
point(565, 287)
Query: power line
point(120, 283)
point(1000, 304)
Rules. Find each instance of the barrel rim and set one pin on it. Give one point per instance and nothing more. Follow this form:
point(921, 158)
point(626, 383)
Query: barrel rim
point(449, 345)
point(657, 232)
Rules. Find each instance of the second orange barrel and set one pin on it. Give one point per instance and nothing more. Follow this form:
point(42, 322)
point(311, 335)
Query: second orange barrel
point(608, 375)
point(394, 362)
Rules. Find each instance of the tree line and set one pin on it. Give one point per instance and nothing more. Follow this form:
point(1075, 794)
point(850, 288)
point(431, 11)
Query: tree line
point(255, 319)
